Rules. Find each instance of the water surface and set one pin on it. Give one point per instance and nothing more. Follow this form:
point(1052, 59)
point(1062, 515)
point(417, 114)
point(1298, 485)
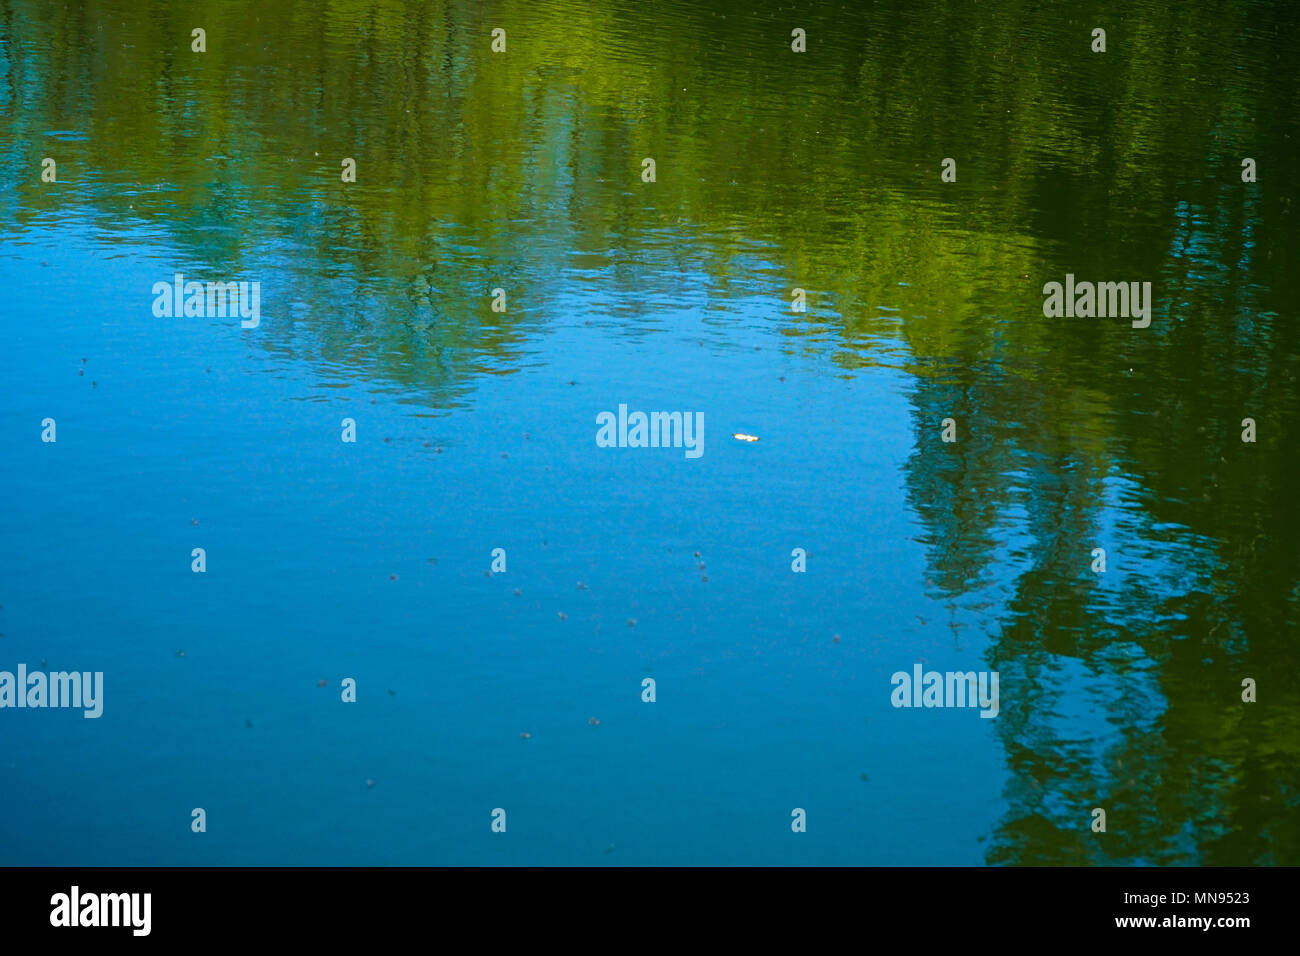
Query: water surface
point(476, 430)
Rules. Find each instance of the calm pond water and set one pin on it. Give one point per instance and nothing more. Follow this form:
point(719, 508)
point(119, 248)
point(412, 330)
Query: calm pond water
point(476, 430)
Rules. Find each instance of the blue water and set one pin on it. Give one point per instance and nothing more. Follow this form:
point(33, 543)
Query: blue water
point(329, 561)
point(758, 711)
